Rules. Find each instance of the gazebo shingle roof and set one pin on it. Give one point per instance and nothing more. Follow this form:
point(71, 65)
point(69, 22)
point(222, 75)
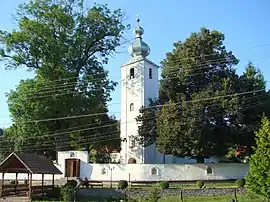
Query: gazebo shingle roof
point(28, 163)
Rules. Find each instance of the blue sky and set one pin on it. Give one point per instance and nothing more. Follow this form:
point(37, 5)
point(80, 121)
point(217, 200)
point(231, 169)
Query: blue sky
point(245, 25)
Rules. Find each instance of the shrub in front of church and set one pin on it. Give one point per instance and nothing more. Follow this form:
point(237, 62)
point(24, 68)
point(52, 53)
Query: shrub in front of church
point(164, 185)
point(154, 194)
point(72, 183)
point(54, 193)
point(67, 192)
point(240, 182)
point(200, 184)
point(122, 184)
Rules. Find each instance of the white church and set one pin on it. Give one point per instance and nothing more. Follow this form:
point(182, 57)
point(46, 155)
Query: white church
point(139, 83)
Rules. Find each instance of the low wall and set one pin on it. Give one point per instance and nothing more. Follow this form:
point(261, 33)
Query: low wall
point(142, 193)
point(169, 172)
point(152, 172)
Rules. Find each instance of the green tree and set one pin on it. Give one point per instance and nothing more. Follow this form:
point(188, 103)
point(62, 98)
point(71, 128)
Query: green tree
point(66, 45)
point(251, 108)
point(7, 141)
point(197, 69)
point(258, 178)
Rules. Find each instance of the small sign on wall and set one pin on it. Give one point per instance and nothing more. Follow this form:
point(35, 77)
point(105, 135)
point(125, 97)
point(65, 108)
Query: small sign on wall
point(72, 154)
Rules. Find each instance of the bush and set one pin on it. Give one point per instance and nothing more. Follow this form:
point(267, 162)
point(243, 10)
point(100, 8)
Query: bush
point(67, 192)
point(122, 184)
point(54, 193)
point(200, 184)
point(164, 185)
point(154, 195)
point(240, 182)
point(72, 183)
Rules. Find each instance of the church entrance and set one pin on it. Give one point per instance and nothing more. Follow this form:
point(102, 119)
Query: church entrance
point(72, 168)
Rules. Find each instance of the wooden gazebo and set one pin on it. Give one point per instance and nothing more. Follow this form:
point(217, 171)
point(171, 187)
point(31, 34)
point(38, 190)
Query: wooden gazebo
point(27, 163)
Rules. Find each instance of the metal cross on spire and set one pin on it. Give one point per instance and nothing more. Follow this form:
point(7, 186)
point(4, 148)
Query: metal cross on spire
point(138, 18)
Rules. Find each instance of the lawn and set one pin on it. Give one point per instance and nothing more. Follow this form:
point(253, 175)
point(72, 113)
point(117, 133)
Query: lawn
point(241, 198)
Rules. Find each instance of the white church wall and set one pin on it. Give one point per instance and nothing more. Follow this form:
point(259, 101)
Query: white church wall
point(60, 164)
point(82, 155)
point(142, 172)
point(170, 172)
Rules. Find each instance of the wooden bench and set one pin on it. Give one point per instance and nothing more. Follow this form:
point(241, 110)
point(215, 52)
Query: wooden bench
point(12, 189)
point(95, 184)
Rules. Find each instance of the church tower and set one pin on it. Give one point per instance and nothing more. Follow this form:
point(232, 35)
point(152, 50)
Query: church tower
point(139, 82)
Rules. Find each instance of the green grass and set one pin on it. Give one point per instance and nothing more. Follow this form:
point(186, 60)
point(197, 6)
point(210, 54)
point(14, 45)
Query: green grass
point(241, 198)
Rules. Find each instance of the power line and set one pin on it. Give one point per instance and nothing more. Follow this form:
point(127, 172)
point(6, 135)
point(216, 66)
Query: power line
point(82, 144)
point(154, 106)
point(103, 113)
point(55, 92)
point(150, 118)
point(98, 79)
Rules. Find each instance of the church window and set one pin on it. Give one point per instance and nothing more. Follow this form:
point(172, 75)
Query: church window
point(154, 171)
point(131, 73)
point(132, 161)
point(150, 73)
point(209, 170)
point(131, 107)
point(132, 141)
point(103, 171)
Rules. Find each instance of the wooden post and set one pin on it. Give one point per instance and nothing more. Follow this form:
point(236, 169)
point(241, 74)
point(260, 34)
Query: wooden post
point(2, 184)
point(235, 196)
point(16, 182)
point(42, 184)
point(30, 186)
point(129, 183)
point(129, 186)
point(53, 180)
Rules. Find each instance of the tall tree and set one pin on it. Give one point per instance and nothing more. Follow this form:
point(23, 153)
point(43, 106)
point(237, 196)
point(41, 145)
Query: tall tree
point(250, 110)
point(7, 141)
point(258, 178)
point(196, 77)
point(66, 45)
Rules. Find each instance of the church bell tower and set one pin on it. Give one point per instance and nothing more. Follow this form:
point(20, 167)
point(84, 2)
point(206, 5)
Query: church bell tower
point(139, 82)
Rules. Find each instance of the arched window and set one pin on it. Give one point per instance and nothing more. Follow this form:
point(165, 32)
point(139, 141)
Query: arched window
point(131, 107)
point(103, 171)
point(209, 170)
point(132, 161)
point(131, 73)
point(150, 73)
point(154, 171)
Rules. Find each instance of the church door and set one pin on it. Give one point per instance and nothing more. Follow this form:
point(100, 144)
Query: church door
point(72, 168)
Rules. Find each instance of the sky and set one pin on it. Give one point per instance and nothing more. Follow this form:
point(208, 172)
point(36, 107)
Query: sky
point(245, 25)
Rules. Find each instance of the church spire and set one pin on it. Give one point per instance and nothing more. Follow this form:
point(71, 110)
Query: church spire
point(139, 47)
